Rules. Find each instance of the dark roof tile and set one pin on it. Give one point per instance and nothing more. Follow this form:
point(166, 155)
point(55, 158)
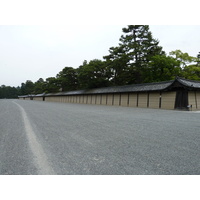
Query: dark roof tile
point(146, 87)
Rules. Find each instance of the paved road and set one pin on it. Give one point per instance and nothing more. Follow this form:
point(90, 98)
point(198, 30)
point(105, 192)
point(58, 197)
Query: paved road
point(55, 138)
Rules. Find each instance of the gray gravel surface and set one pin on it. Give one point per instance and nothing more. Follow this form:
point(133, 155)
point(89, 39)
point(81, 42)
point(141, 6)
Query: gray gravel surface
point(57, 138)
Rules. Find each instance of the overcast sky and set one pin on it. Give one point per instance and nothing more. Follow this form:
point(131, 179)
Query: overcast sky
point(33, 52)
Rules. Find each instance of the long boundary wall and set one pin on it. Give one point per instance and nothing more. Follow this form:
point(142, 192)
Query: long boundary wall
point(156, 100)
point(174, 94)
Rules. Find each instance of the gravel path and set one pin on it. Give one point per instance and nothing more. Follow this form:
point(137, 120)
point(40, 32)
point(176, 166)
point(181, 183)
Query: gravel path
point(92, 139)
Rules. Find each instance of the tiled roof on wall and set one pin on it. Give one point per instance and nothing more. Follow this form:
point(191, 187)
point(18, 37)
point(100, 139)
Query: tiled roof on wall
point(146, 87)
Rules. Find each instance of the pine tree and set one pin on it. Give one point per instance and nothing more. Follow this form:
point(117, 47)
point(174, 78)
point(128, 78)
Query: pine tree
point(136, 48)
point(116, 63)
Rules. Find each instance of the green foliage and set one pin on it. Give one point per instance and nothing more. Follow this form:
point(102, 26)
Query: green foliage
point(183, 58)
point(39, 86)
point(52, 85)
point(188, 71)
point(117, 68)
point(67, 79)
point(131, 58)
point(191, 72)
point(162, 68)
point(9, 92)
point(93, 74)
point(139, 44)
point(27, 88)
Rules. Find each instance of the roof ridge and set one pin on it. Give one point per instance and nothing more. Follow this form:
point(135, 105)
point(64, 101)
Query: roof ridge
point(189, 80)
point(140, 84)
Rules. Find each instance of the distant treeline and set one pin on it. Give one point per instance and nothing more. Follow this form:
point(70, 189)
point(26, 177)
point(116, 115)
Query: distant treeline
point(7, 92)
point(137, 59)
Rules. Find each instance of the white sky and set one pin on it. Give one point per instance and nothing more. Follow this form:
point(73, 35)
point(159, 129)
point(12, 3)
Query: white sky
point(39, 41)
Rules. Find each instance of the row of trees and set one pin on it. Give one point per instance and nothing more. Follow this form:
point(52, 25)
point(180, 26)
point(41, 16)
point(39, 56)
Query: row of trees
point(138, 58)
point(9, 92)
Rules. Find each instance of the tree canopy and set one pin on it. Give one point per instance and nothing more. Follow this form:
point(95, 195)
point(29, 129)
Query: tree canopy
point(136, 48)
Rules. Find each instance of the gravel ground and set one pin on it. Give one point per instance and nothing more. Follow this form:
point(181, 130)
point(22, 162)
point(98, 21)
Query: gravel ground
point(91, 139)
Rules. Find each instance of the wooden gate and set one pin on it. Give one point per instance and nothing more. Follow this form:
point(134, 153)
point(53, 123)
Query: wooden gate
point(181, 99)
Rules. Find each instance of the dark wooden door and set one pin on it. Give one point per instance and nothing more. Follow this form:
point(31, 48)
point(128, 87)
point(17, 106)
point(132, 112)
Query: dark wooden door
point(181, 99)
